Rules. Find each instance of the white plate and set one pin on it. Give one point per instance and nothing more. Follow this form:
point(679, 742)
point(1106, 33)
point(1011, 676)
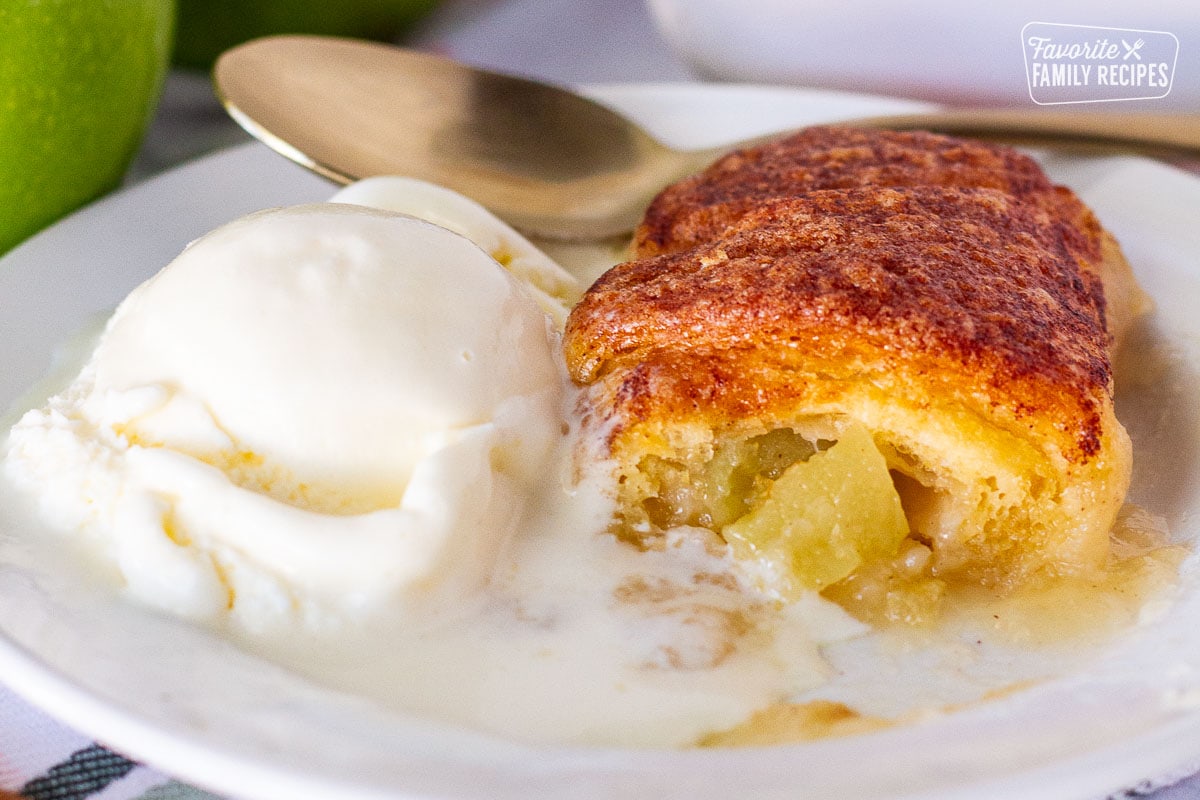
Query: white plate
point(187, 702)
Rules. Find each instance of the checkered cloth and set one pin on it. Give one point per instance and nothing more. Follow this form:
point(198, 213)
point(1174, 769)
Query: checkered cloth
point(41, 759)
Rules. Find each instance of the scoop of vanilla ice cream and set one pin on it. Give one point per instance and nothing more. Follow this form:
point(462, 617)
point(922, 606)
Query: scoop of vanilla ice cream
point(334, 348)
point(320, 407)
point(555, 289)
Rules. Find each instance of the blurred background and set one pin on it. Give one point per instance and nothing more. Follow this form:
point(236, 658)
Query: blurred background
point(611, 42)
point(955, 53)
point(77, 125)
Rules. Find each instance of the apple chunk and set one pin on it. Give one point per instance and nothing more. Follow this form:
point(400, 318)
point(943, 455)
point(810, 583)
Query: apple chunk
point(822, 518)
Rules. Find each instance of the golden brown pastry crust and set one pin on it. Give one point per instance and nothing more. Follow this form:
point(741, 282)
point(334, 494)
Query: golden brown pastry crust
point(966, 288)
point(963, 325)
point(701, 207)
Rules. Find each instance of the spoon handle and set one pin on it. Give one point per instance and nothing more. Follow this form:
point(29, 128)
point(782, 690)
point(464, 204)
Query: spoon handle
point(1149, 134)
point(1179, 133)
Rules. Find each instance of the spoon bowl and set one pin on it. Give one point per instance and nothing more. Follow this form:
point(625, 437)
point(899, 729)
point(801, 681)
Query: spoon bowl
point(548, 161)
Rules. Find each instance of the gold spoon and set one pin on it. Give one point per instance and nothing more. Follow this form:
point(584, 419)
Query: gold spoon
point(548, 161)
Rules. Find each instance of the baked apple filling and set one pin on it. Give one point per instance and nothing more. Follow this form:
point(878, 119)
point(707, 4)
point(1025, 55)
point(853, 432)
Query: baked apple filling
point(801, 513)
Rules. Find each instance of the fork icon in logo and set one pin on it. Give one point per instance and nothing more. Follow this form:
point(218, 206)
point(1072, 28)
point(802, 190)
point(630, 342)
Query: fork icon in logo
point(1132, 49)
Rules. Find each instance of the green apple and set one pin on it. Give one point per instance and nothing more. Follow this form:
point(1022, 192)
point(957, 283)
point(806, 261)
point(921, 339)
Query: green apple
point(209, 27)
point(79, 81)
